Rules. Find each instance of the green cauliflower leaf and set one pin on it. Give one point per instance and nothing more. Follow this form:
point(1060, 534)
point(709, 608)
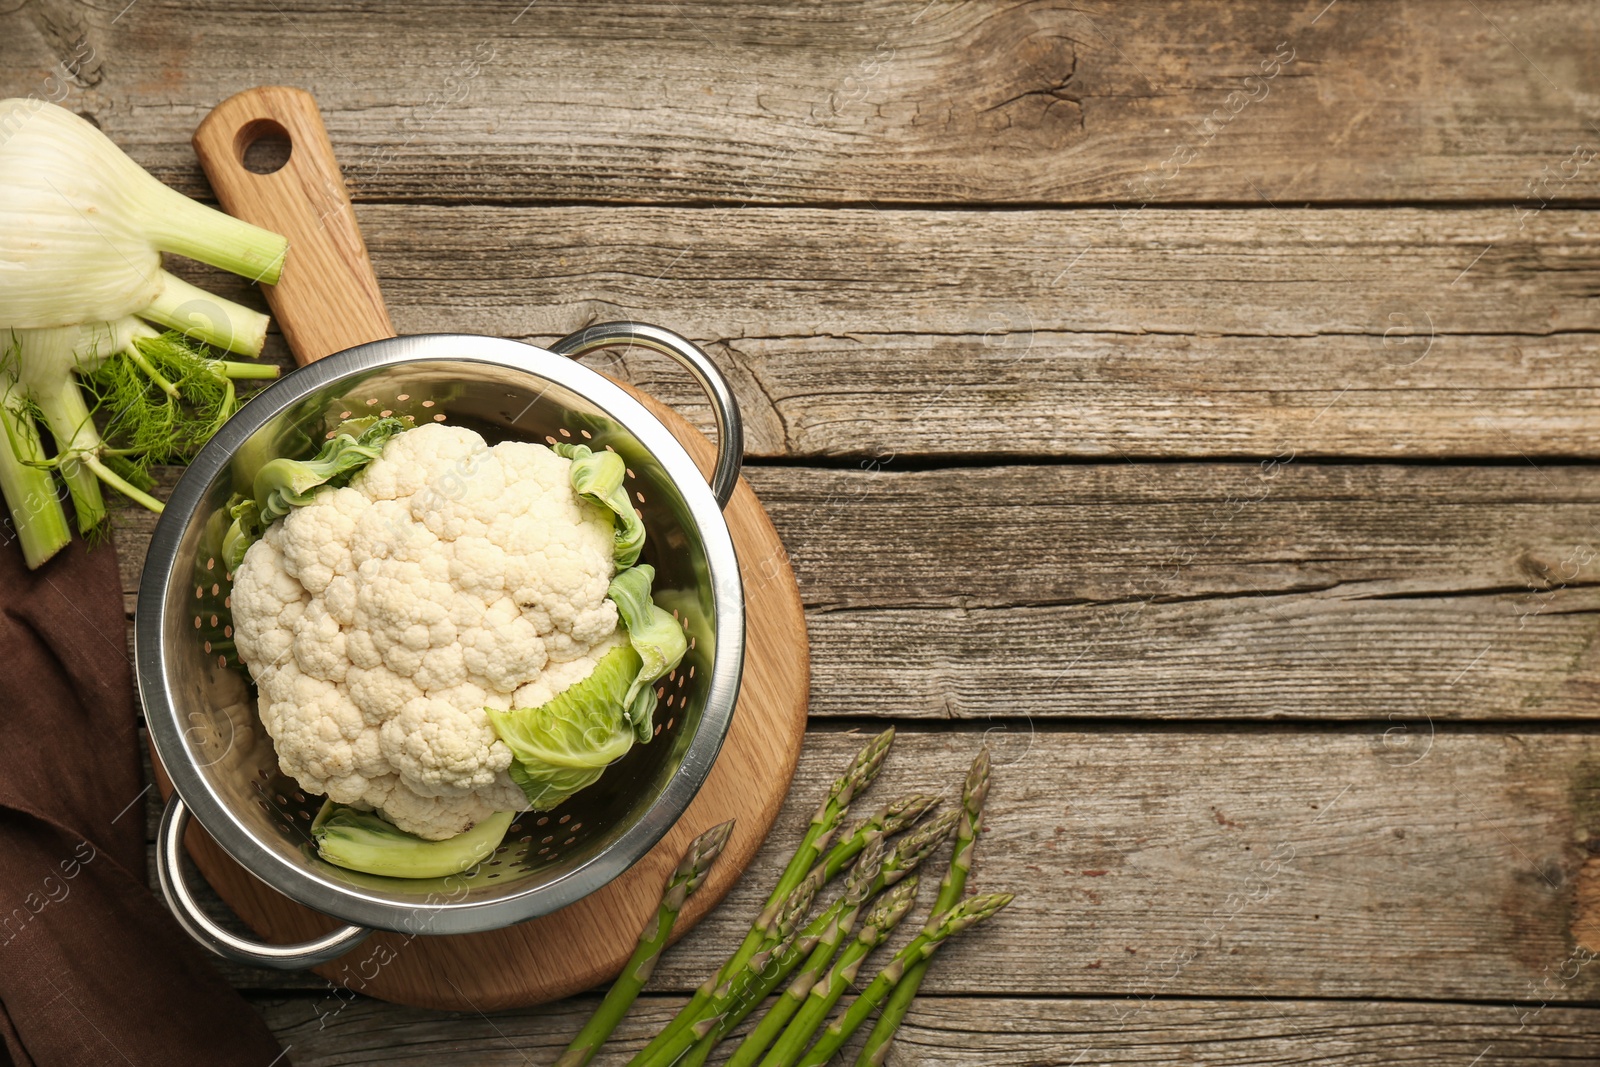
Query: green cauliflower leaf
point(597, 478)
point(566, 743)
point(282, 484)
point(365, 841)
point(654, 634)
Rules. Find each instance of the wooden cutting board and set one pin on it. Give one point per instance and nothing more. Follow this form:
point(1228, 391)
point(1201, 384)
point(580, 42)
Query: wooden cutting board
point(328, 300)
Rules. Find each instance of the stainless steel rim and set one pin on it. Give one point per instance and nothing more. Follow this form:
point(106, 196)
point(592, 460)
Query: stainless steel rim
point(351, 904)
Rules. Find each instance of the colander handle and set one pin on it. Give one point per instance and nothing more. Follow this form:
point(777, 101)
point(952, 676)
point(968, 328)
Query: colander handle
point(228, 945)
point(730, 430)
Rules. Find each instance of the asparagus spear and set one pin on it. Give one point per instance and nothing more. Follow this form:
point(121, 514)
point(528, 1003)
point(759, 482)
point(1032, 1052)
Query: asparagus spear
point(866, 839)
point(738, 999)
point(973, 795)
point(793, 910)
point(815, 945)
point(887, 821)
point(897, 815)
point(812, 995)
point(969, 912)
point(754, 994)
point(692, 870)
point(910, 850)
point(824, 824)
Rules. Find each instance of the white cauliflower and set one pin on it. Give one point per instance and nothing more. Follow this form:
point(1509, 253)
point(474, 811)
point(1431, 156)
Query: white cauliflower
point(381, 619)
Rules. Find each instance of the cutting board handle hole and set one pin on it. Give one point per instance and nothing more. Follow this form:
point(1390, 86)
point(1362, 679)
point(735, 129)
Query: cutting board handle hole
point(263, 146)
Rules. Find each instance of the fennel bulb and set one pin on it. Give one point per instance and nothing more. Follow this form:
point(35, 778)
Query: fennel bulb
point(82, 232)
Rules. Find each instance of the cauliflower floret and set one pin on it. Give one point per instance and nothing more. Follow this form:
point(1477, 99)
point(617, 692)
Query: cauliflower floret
point(505, 649)
point(557, 676)
point(378, 691)
point(313, 725)
point(419, 460)
point(263, 593)
point(319, 644)
point(381, 619)
point(322, 549)
point(441, 749)
point(437, 818)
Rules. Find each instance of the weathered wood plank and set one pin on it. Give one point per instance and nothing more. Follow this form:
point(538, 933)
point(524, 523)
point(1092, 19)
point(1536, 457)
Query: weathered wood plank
point(1392, 334)
point(1313, 656)
point(993, 1033)
point(731, 274)
point(1091, 533)
point(875, 102)
point(1288, 590)
point(1188, 862)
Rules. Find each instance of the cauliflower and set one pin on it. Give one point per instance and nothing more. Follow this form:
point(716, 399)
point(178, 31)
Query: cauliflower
point(380, 620)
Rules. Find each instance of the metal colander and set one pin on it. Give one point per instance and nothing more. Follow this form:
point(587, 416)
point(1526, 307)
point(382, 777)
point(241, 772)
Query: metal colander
point(201, 708)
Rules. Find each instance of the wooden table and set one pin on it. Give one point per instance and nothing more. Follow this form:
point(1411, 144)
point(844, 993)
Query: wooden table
point(1196, 403)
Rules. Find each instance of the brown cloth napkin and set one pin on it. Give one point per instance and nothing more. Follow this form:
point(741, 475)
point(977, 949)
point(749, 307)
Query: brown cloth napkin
point(93, 969)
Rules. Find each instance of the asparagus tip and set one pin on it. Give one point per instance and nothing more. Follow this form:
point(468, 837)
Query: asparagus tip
point(797, 904)
point(865, 872)
point(976, 787)
point(895, 816)
point(700, 855)
point(973, 910)
point(892, 906)
point(868, 762)
point(709, 845)
point(923, 839)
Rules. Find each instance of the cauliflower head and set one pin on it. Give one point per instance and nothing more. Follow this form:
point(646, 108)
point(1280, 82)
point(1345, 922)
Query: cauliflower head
point(382, 618)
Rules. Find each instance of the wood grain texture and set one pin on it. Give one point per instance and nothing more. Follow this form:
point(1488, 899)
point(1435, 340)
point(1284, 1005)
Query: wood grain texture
point(534, 961)
point(987, 1032)
point(1392, 334)
point(881, 101)
point(1188, 591)
point(327, 299)
point(735, 273)
point(1586, 901)
point(1157, 843)
point(1375, 861)
point(525, 172)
